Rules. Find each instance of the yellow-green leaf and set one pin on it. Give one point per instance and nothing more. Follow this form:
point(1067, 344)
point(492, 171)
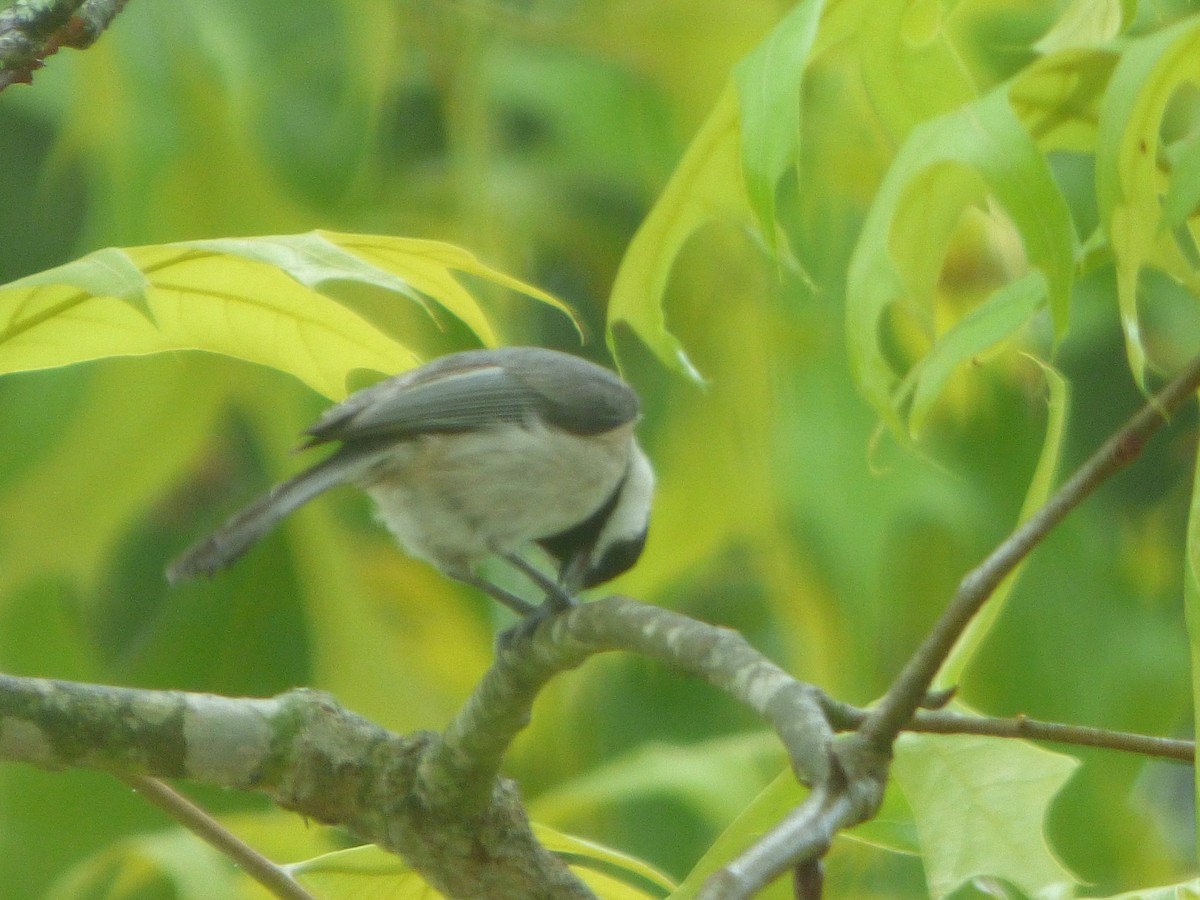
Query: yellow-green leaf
point(105, 273)
point(257, 299)
point(1058, 97)
point(119, 452)
point(980, 807)
point(890, 262)
point(989, 324)
point(769, 81)
point(138, 866)
point(1086, 22)
point(1129, 183)
point(707, 184)
point(1185, 890)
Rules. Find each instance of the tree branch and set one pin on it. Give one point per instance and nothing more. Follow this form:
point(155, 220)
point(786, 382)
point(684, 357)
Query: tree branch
point(909, 689)
point(845, 717)
point(30, 31)
point(856, 784)
point(473, 745)
point(306, 753)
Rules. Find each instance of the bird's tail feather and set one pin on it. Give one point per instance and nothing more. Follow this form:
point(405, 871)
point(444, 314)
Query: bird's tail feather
point(245, 528)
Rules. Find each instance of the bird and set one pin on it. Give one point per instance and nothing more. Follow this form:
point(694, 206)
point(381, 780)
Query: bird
point(477, 454)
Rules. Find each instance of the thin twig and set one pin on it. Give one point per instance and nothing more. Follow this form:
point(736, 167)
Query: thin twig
point(910, 687)
point(208, 829)
point(845, 717)
point(949, 722)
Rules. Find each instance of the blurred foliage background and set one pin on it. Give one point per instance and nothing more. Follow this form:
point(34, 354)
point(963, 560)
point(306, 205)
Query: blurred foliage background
point(538, 135)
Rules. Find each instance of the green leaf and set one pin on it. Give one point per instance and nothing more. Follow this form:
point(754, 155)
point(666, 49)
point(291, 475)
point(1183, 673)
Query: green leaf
point(428, 267)
point(716, 777)
point(707, 184)
point(312, 259)
point(891, 830)
point(127, 443)
point(991, 323)
point(1128, 181)
point(913, 65)
point(1183, 192)
point(763, 813)
point(769, 82)
point(256, 299)
point(140, 866)
point(980, 806)
point(1084, 23)
point(105, 273)
point(1058, 97)
point(1185, 890)
point(891, 261)
point(590, 860)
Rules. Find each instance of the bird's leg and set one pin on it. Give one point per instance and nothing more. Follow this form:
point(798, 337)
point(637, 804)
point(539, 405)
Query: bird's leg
point(557, 596)
point(509, 599)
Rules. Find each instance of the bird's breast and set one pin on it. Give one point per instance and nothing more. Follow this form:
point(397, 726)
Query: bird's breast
point(453, 499)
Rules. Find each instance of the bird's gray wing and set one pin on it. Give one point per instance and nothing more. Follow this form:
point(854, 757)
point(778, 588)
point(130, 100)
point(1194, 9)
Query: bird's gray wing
point(429, 400)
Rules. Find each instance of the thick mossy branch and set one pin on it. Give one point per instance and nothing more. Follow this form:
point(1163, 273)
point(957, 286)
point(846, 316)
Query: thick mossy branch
point(307, 754)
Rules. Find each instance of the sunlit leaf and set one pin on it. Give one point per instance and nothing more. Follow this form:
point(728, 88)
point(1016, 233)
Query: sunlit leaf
point(590, 860)
point(1183, 192)
point(311, 259)
point(980, 806)
point(429, 266)
point(1129, 183)
point(1058, 97)
point(1086, 22)
point(707, 184)
point(252, 298)
point(105, 273)
point(912, 67)
point(769, 81)
point(987, 139)
point(1185, 890)
point(989, 324)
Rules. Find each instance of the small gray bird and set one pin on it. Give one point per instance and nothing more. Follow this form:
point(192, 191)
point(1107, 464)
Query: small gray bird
point(476, 454)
